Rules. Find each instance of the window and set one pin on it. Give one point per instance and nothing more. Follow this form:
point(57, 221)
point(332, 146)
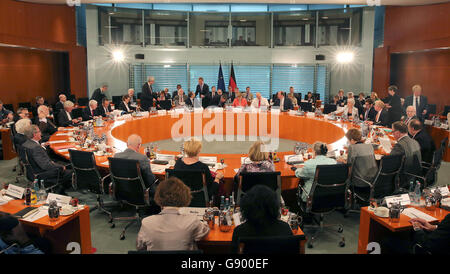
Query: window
point(210, 74)
point(300, 77)
point(322, 82)
point(209, 29)
point(250, 29)
point(120, 26)
point(166, 76)
point(294, 29)
point(257, 77)
point(340, 27)
point(165, 28)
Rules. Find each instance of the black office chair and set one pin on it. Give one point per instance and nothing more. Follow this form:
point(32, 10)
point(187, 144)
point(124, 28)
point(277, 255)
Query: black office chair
point(77, 113)
point(446, 110)
point(305, 106)
point(83, 101)
point(128, 188)
point(86, 177)
point(166, 104)
point(116, 100)
point(298, 95)
point(31, 174)
point(9, 107)
point(196, 181)
point(328, 108)
point(430, 171)
point(385, 182)
point(249, 179)
point(329, 191)
point(415, 173)
point(316, 96)
point(26, 105)
point(431, 109)
point(271, 245)
point(151, 252)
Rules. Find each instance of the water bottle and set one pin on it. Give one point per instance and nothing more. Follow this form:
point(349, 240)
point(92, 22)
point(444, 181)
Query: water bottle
point(28, 195)
point(42, 194)
point(227, 204)
point(411, 192)
point(417, 193)
point(222, 203)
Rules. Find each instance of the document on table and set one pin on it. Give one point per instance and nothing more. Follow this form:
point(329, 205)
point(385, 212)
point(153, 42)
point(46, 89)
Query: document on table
point(208, 160)
point(41, 212)
point(159, 168)
point(386, 144)
point(58, 141)
point(411, 212)
point(197, 211)
point(63, 134)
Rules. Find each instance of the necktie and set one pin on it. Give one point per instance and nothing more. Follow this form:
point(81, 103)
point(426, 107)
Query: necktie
point(366, 115)
point(92, 112)
point(259, 103)
point(378, 116)
point(417, 105)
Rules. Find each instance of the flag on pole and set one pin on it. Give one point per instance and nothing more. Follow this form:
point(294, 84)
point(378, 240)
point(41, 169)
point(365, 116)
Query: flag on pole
point(232, 83)
point(221, 81)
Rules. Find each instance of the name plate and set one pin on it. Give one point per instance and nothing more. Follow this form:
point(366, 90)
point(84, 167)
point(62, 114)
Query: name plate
point(444, 126)
point(292, 112)
point(310, 114)
point(179, 110)
point(403, 199)
point(237, 109)
point(444, 190)
point(428, 122)
point(217, 110)
point(293, 158)
point(275, 111)
point(60, 199)
point(208, 160)
point(165, 157)
point(162, 112)
point(255, 110)
point(15, 191)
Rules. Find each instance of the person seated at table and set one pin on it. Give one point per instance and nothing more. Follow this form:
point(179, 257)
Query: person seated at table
point(361, 156)
point(293, 99)
point(214, 96)
point(170, 229)
point(4, 113)
point(105, 109)
point(45, 123)
point(65, 116)
point(260, 160)
point(90, 112)
point(362, 98)
point(15, 240)
point(432, 239)
point(342, 99)
point(130, 92)
point(349, 110)
point(259, 101)
point(381, 117)
point(134, 144)
point(282, 102)
point(125, 104)
point(369, 113)
point(410, 115)
point(41, 162)
point(335, 100)
point(409, 147)
point(60, 104)
point(191, 99)
point(309, 169)
point(427, 146)
point(180, 99)
point(166, 94)
point(309, 97)
point(260, 208)
point(223, 101)
point(374, 96)
point(191, 161)
point(239, 101)
point(21, 114)
point(19, 136)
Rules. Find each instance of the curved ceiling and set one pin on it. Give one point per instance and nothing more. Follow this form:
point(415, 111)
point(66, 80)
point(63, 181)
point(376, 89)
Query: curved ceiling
point(347, 2)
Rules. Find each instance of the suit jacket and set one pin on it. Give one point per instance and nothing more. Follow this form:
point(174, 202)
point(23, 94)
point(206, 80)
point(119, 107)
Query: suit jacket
point(63, 119)
point(98, 96)
point(410, 148)
point(423, 104)
point(427, 146)
point(287, 104)
point(100, 111)
point(58, 107)
point(371, 114)
point(86, 113)
point(213, 100)
point(40, 161)
point(406, 120)
point(124, 108)
point(383, 120)
point(395, 112)
point(47, 128)
point(202, 91)
point(4, 113)
point(176, 99)
point(437, 241)
point(342, 102)
point(190, 102)
point(146, 170)
point(147, 96)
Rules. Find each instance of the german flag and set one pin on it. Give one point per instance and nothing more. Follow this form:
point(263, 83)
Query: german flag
point(232, 83)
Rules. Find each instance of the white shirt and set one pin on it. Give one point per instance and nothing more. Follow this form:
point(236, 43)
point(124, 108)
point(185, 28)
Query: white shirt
point(43, 120)
point(255, 102)
point(282, 103)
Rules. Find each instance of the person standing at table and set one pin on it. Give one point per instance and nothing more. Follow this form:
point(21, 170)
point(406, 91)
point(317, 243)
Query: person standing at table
point(260, 208)
point(259, 101)
point(427, 146)
point(393, 105)
point(282, 102)
point(202, 89)
point(99, 94)
point(419, 101)
point(147, 95)
point(59, 106)
point(408, 147)
point(171, 229)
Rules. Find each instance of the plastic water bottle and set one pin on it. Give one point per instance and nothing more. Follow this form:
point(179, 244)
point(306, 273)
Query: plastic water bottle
point(417, 193)
point(411, 192)
point(227, 204)
point(222, 203)
point(42, 194)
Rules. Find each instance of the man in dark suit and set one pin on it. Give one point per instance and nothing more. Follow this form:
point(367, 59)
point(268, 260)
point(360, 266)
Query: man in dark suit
point(45, 123)
point(90, 112)
point(191, 99)
point(203, 90)
point(148, 95)
point(410, 115)
point(214, 97)
point(125, 104)
point(419, 101)
point(99, 94)
point(342, 99)
point(408, 147)
point(134, 143)
point(65, 118)
point(222, 101)
point(369, 113)
point(104, 109)
point(393, 105)
point(60, 104)
point(381, 116)
point(427, 146)
point(282, 102)
point(41, 162)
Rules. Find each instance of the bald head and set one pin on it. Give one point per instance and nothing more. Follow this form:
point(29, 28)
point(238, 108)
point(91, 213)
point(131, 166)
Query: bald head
point(134, 142)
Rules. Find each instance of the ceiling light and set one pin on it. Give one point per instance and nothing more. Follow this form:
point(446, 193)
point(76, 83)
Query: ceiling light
point(345, 57)
point(118, 56)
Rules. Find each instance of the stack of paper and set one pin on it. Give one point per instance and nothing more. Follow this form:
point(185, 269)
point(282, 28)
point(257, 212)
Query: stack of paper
point(159, 168)
point(411, 212)
point(208, 160)
point(386, 144)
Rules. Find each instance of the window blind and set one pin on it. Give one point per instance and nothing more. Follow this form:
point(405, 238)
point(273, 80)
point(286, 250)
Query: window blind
point(300, 77)
point(166, 76)
point(210, 74)
point(256, 77)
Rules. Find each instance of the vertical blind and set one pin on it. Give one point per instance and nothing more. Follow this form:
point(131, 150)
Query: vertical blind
point(257, 77)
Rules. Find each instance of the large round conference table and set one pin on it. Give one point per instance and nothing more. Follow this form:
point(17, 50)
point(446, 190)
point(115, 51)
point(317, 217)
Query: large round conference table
point(156, 127)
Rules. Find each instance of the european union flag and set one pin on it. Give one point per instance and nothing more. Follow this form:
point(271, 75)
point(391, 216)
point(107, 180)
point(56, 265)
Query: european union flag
point(221, 81)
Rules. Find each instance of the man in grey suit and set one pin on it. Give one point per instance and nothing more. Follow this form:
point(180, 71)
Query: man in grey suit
point(181, 98)
point(41, 162)
point(408, 147)
point(132, 152)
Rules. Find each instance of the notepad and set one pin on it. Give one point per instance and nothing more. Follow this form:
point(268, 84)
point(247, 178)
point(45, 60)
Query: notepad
point(415, 213)
point(386, 144)
point(58, 142)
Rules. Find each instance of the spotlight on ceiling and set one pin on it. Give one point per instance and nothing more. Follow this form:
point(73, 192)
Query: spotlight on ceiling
point(118, 56)
point(345, 57)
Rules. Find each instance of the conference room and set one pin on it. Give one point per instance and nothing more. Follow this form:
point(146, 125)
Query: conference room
point(200, 128)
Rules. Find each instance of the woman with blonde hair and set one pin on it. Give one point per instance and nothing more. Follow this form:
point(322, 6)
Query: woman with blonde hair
point(293, 99)
point(260, 160)
point(190, 161)
point(171, 229)
point(239, 101)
